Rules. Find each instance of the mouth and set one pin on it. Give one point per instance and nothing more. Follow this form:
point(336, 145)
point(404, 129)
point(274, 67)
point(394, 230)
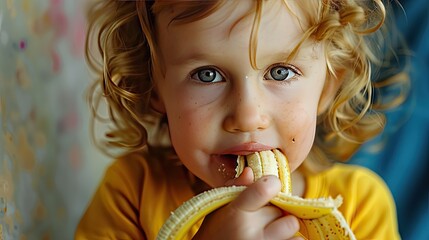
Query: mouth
point(226, 165)
point(230, 165)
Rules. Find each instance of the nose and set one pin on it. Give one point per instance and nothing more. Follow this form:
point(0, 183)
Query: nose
point(246, 111)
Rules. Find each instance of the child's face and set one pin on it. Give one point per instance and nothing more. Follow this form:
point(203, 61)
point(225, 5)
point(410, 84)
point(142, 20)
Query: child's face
point(219, 106)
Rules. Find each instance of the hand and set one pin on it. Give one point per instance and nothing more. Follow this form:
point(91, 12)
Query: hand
point(250, 216)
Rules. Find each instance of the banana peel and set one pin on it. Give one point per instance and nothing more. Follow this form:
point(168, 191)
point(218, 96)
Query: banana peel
point(318, 218)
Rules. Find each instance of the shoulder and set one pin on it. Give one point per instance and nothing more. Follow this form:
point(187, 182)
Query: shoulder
point(343, 178)
point(351, 172)
point(132, 163)
point(368, 205)
point(115, 204)
point(125, 177)
point(357, 185)
point(130, 167)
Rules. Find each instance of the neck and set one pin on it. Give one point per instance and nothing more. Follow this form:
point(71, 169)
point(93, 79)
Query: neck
point(298, 183)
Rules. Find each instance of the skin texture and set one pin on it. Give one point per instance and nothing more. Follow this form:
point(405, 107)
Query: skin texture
point(244, 110)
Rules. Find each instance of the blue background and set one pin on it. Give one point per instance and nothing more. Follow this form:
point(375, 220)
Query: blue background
point(404, 160)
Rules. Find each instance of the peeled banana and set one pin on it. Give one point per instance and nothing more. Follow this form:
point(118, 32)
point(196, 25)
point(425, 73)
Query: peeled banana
point(319, 218)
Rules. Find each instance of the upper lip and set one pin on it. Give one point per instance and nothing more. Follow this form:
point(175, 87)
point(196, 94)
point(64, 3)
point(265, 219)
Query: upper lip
point(247, 148)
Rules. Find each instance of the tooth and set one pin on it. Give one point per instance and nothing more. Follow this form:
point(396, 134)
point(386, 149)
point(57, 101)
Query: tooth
point(319, 218)
point(241, 161)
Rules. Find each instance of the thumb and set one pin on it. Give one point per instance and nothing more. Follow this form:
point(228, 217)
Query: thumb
point(258, 194)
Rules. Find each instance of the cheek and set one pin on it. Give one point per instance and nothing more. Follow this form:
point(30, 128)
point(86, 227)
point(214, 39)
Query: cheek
point(189, 110)
point(188, 125)
point(298, 135)
point(180, 123)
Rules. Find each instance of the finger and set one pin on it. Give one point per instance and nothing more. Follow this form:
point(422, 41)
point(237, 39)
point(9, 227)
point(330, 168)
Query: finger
point(245, 178)
point(268, 214)
point(257, 194)
point(282, 228)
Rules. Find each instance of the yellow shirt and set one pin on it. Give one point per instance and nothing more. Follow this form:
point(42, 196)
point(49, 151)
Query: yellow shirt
point(135, 198)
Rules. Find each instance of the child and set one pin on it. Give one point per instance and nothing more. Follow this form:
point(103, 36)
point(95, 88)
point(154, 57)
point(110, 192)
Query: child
point(192, 84)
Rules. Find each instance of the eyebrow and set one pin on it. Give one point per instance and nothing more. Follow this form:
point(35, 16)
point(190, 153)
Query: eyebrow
point(305, 52)
point(196, 56)
point(192, 57)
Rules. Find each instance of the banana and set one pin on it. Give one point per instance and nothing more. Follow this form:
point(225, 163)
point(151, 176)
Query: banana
point(319, 218)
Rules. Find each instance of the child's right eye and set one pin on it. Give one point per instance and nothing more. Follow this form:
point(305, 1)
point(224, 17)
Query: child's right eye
point(207, 75)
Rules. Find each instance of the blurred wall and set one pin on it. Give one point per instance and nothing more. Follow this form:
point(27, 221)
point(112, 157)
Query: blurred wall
point(48, 166)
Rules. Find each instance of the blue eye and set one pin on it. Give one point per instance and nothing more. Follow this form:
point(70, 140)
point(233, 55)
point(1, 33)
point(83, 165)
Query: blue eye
point(280, 73)
point(207, 75)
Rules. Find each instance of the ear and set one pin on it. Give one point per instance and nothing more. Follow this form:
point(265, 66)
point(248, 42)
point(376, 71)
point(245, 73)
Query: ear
point(332, 84)
point(156, 102)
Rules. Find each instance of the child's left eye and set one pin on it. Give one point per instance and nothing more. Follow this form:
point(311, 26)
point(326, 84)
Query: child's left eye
point(207, 75)
point(280, 73)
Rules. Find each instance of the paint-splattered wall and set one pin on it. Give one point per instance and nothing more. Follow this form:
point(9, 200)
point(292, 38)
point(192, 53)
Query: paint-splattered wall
point(48, 166)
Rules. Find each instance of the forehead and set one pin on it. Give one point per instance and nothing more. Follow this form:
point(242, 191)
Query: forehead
point(280, 28)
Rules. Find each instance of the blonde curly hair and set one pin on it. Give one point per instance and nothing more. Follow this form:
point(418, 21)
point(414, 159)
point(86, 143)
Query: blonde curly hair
point(351, 31)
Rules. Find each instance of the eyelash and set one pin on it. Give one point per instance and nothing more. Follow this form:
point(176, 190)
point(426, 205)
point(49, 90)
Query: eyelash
point(292, 68)
point(196, 71)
